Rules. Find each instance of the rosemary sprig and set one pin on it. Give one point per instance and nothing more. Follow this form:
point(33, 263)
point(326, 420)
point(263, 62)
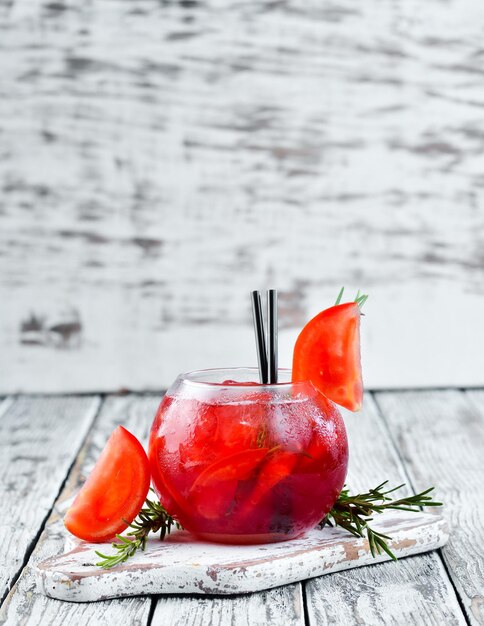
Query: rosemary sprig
point(262, 436)
point(354, 512)
point(152, 518)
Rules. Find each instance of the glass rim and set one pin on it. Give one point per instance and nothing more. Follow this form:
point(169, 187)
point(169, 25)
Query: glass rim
point(187, 378)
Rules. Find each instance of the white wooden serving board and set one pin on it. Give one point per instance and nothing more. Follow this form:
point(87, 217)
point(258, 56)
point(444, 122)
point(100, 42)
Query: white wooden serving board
point(182, 564)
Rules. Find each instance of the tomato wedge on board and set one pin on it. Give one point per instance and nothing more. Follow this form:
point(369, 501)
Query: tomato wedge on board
point(327, 353)
point(114, 491)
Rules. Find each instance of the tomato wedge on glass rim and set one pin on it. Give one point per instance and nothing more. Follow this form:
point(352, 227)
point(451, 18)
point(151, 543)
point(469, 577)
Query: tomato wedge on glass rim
point(327, 353)
point(114, 492)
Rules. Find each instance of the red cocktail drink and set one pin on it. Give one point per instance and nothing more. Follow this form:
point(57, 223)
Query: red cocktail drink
point(238, 462)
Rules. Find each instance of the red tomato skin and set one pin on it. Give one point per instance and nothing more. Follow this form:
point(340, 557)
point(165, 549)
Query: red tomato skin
point(327, 353)
point(113, 493)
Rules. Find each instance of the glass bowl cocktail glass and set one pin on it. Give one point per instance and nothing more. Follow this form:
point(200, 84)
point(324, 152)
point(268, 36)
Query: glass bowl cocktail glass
point(235, 461)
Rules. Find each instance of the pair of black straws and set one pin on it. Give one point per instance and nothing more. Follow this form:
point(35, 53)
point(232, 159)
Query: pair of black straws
point(266, 342)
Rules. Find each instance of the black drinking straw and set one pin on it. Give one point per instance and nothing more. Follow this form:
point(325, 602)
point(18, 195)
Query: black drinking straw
point(272, 334)
point(259, 336)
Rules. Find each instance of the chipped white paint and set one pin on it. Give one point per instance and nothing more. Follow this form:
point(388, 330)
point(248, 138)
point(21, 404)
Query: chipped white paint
point(417, 592)
point(182, 564)
point(440, 435)
point(158, 161)
point(283, 606)
point(39, 438)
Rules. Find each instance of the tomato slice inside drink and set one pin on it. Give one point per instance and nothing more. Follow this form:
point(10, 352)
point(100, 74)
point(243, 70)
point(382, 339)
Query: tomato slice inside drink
point(213, 491)
point(327, 353)
point(278, 466)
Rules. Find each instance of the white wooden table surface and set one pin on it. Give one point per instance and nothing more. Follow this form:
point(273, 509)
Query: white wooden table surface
point(423, 438)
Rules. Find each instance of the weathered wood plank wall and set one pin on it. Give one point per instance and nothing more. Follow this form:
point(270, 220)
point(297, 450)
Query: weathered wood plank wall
point(160, 159)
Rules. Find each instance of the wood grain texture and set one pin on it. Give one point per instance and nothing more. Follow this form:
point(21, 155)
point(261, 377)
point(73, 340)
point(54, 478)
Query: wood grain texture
point(39, 440)
point(390, 593)
point(24, 605)
point(419, 594)
point(278, 607)
point(440, 436)
point(159, 161)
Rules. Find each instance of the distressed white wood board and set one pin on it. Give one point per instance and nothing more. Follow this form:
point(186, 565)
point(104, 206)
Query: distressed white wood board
point(182, 564)
point(159, 161)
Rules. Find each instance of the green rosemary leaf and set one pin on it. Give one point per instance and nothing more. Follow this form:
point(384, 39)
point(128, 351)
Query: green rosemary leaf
point(340, 295)
point(371, 542)
point(361, 301)
point(382, 545)
point(378, 490)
